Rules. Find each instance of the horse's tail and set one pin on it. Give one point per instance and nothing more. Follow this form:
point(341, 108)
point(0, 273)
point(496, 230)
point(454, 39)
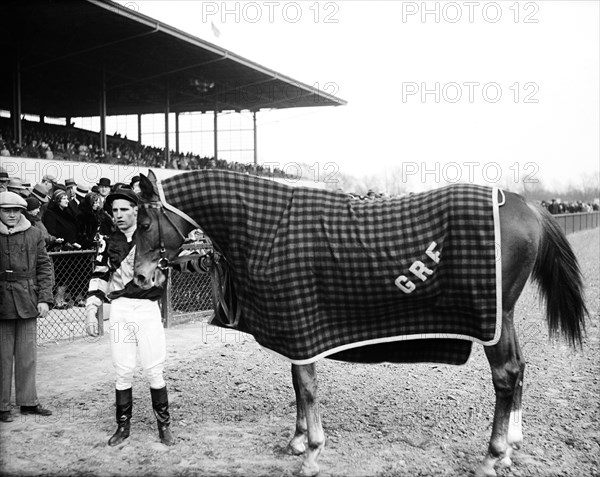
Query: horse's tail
point(560, 282)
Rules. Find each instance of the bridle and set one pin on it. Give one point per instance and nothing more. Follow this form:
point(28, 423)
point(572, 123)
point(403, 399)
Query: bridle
point(163, 262)
point(219, 270)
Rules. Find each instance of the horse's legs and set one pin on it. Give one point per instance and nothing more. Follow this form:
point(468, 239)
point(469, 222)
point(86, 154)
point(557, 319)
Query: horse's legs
point(507, 366)
point(515, 424)
point(296, 445)
point(305, 385)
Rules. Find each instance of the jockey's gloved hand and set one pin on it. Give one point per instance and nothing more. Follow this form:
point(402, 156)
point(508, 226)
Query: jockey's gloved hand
point(192, 260)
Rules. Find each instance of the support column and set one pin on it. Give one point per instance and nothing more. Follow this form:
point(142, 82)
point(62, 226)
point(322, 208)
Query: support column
point(103, 140)
point(167, 110)
point(139, 118)
point(216, 133)
point(16, 111)
point(177, 133)
point(255, 138)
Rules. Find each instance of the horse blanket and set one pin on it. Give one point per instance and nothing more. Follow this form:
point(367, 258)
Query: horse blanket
point(320, 273)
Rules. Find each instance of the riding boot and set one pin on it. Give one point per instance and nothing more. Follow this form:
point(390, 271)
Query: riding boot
point(124, 406)
point(160, 405)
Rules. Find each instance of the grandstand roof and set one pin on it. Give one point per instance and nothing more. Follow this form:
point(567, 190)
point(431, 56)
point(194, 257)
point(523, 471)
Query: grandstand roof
point(65, 49)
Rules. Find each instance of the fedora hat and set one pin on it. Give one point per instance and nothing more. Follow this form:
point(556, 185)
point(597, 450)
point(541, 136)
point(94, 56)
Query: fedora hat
point(81, 191)
point(49, 178)
point(15, 183)
point(39, 192)
point(104, 182)
point(70, 182)
point(4, 176)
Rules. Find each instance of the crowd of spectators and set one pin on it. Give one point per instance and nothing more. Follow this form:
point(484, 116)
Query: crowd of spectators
point(557, 206)
point(49, 141)
point(70, 215)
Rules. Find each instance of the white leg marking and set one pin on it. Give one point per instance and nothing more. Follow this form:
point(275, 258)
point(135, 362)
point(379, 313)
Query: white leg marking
point(515, 429)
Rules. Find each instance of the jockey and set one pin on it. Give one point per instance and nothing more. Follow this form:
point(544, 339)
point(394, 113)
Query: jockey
point(135, 318)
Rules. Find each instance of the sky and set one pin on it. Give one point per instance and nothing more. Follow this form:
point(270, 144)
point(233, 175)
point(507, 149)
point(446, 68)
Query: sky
point(486, 92)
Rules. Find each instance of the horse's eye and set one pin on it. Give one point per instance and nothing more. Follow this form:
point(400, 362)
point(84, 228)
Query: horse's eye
point(144, 227)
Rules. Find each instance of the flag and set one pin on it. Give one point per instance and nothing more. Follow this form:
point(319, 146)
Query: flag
point(215, 30)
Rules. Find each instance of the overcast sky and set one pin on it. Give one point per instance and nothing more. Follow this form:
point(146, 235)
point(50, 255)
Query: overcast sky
point(441, 90)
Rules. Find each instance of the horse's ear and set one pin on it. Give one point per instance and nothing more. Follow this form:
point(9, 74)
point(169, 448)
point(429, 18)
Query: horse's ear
point(148, 187)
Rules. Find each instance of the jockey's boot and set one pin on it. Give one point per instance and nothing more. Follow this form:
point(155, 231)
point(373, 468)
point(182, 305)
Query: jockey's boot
point(160, 405)
point(124, 406)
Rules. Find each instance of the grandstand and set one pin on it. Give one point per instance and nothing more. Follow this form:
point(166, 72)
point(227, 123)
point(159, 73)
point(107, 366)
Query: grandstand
point(96, 58)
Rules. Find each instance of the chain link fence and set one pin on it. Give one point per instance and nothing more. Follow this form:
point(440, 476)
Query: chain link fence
point(188, 297)
point(72, 273)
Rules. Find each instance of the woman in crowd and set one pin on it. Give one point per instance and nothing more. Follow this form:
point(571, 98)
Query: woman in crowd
point(89, 218)
point(61, 222)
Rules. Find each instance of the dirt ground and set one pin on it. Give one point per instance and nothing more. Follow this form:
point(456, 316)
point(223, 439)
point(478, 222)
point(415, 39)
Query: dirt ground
point(233, 408)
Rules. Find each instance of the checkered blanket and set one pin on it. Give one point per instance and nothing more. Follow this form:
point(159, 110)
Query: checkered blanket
point(322, 274)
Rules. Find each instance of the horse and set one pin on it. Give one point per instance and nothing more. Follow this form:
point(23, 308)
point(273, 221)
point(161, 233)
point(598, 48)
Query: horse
point(229, 208)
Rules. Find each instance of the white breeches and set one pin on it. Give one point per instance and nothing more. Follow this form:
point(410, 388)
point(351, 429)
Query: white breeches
point(135, 326)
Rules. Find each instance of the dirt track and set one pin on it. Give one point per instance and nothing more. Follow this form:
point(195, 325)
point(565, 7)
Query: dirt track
point(233, 408)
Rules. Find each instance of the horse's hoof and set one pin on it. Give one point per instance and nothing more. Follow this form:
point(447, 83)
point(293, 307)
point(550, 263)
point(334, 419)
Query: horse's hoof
point(505, 462)
point(308, 470)
point(295, 448)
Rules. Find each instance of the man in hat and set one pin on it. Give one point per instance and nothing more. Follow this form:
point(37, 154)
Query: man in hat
point(4, 179)
point(25, 294)
point(135, 184)
point(81, 190)
point(16, 185)
point(48, 181)
point(131, 309)
point(71, 185)
point(104, 188)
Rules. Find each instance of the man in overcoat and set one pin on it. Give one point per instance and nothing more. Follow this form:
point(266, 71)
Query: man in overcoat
point(26, 280)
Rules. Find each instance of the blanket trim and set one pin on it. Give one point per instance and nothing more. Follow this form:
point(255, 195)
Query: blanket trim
point(493, 341)
point(175, 210)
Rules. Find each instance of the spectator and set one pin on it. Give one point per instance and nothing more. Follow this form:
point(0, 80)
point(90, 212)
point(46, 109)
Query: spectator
point(60, 221)
point(554, 207)
point(25, 294)
point(89, 218)
point(70, 185)
point(33, 215)
point(135, 184)
point(15, 185)
point(48, 181)
point(104, 188)
point(81, 191)
point(4, 180)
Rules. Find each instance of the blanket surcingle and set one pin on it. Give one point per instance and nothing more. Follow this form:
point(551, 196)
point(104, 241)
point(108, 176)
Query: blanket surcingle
point(322, 274)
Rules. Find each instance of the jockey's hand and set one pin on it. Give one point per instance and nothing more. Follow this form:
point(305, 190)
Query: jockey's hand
point(91, 322)
point(43, 309)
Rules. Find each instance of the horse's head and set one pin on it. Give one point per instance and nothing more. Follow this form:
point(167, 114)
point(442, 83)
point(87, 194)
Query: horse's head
point(160, 232)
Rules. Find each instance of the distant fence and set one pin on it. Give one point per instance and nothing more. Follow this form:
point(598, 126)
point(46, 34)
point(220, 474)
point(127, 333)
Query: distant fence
point(571, 223)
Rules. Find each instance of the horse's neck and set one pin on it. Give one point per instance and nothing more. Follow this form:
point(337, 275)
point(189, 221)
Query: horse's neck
point(207, 197)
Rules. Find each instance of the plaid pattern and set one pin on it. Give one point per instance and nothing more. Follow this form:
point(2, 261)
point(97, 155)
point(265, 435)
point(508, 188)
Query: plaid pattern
point(316, 272)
